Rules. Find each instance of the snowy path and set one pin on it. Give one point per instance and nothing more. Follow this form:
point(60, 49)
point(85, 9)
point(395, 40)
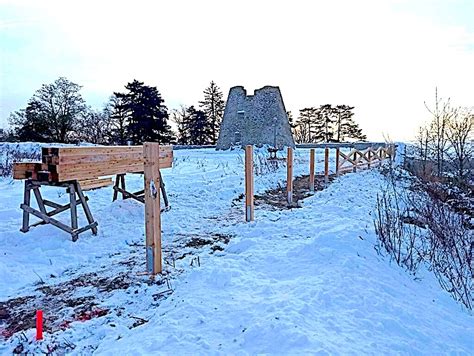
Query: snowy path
point(305, 280)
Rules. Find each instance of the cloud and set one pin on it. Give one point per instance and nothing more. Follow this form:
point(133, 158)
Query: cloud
point(381, 56)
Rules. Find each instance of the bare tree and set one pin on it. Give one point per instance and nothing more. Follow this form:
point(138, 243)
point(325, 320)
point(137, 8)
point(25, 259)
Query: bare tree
point(460, 135)
point(441, 114)
point(181, 118)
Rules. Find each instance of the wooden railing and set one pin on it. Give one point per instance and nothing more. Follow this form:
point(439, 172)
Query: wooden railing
point(355, 159)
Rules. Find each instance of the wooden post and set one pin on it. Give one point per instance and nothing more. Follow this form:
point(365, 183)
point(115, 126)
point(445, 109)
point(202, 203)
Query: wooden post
point(151, 154)
point(326, 165)
point(354, 158)
point(369, 157)
point(26, 201)
point(311, 170)
point(73, 207)
point(337, 162)
point(289, 175)
point(249, 208)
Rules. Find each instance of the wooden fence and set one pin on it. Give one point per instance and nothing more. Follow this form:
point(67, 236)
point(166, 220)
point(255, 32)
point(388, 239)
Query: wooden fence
point(350, 162)
point(356, 159)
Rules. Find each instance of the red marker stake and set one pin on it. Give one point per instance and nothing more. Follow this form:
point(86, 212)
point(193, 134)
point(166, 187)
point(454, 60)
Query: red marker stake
point(39, 325)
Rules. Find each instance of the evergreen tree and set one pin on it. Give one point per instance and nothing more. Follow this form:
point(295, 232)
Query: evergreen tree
point(198, 126)
point(325, 124)
point(347, 128)
point(146, 113)
point(213, 106)
point(118, 113)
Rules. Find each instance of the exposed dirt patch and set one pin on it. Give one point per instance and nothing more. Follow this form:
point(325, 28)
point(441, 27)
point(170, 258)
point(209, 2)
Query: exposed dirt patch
point(79, 298)
point(276, 199)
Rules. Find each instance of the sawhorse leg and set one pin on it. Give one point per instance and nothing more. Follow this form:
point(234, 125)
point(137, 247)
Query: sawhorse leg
point(26, 201)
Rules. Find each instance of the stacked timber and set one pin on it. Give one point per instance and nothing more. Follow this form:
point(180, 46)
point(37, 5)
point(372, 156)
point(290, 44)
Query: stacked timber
point(88, 164)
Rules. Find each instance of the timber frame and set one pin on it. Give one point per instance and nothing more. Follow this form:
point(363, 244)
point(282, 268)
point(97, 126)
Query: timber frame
point(76, 197)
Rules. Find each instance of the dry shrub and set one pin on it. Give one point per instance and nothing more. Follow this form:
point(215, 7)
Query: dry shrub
point(415, 226)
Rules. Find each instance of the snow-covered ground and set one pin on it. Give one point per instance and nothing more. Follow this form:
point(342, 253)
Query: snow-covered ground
point(305, 280)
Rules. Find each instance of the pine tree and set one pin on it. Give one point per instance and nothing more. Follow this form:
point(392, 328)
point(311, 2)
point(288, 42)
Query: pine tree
point(346, 127)
point(325, 124)
point(118, 114)
point(147, 114)
point(213, 107)
point(198, 127)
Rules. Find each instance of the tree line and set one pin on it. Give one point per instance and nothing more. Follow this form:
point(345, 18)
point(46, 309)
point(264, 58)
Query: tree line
point(444, 145)
point(326, 123)
point(57, 113)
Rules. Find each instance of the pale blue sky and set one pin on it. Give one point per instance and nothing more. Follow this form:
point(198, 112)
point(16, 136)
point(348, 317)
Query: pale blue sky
point(384, 57)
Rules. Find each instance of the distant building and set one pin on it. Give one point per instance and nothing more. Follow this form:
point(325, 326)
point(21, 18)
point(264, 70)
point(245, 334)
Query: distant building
point(257, 119)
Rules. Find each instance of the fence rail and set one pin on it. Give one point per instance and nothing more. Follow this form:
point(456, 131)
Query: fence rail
point(357, 159)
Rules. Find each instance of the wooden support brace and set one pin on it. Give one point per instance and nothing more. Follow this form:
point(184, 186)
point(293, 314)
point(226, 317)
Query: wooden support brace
point(151, 153)
point(337, 161)
point(249, 187)
point(289, 175)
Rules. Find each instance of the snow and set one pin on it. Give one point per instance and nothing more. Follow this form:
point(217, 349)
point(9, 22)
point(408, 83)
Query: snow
point(294, 281)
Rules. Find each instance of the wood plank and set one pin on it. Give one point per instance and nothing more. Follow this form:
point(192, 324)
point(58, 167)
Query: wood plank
point(24, 170)
point(289, 175)
point(87, 150)
point(152, 207)
point(93, 157)
point(95, 183)
point(249, 184)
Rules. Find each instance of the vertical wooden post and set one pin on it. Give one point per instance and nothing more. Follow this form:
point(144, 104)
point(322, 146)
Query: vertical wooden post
point(326, 165)
point(369, 157)
point(289, 175)
point(354, 158)
point(311, 170)
point(26, 201)
point(337, 162)
point(249, 208)
point(73, 207)
point(151, 154)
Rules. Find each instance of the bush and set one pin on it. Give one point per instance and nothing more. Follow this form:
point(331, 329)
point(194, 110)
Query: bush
point(415, 226)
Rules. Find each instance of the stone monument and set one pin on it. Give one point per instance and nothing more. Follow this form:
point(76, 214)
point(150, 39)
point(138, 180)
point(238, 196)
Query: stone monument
point(258, 119)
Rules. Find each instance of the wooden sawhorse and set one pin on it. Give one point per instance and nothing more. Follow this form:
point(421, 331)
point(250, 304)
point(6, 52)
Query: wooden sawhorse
point(119, 187)
point(73, 188)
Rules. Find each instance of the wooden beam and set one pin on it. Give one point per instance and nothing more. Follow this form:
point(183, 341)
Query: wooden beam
point(23, 170)
point(289, 175)
point(249, 187)
point(151, 154)
point(311, 170)
point(337, 161)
